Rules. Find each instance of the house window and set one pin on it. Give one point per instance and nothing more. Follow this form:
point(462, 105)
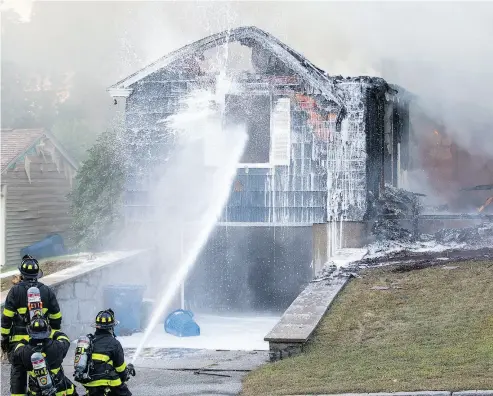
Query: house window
point(253, 111)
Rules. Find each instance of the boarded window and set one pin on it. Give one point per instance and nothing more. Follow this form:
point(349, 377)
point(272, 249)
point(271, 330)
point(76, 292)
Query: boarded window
point(281, 132)
point(253, 111)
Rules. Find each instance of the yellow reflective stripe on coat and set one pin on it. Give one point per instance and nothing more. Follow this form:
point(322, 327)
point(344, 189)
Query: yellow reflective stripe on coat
point(19, 337)
point(104, 382)
point(62, 338)
point(45, 310)
point(17, 394)
point(8, 313)
point(22, 310)
point(57, 315)
point(119, 369)
point(5, 331)
point(69, 391)
point(100, 357)
point(20, 344)
point(53, 371)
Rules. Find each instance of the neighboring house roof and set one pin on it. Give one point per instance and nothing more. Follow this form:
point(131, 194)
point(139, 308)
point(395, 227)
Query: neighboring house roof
point(297, 62)
point(15, 142)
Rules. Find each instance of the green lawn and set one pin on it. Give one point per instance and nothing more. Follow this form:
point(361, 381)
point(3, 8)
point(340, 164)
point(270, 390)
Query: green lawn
point(431, 330)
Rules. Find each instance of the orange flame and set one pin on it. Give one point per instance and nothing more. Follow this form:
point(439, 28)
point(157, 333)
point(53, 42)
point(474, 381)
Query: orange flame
point(488, 202)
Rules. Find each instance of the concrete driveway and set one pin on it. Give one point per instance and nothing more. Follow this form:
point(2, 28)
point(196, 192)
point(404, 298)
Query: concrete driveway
point(180, 371)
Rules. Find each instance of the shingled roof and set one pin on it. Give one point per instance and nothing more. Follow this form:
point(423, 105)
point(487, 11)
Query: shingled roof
point(15, 142)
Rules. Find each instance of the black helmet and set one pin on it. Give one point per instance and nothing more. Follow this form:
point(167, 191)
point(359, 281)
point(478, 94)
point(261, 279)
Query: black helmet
point(105, 320)
point(29, 268)
point(38, 329)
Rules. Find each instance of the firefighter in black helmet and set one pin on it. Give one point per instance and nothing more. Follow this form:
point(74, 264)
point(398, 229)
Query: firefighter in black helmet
point(108, 370)
point(15, 315)
point(54, 347)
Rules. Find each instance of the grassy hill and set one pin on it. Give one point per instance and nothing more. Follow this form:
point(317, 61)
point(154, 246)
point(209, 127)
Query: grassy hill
point(428, 329)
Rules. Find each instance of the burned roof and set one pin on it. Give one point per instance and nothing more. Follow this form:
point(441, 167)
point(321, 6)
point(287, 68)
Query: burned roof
point(293, 59)
point(15, 142)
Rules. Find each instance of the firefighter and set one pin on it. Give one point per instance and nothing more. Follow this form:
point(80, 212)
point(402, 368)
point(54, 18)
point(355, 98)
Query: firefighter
point(107, 369)
point(15, 315)
point(53, 345)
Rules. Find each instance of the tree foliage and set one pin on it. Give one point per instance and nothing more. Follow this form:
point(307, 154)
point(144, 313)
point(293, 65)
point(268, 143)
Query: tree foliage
point(97, 198)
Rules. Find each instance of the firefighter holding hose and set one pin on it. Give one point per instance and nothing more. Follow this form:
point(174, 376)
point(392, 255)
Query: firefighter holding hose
point(100, 362)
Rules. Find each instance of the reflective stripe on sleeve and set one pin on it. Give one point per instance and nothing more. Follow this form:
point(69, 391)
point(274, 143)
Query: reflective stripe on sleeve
point(119, 369)
point(8, 313)
point(5, 331)
point(57, 315)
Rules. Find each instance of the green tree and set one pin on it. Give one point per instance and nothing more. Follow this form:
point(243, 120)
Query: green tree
point(97, 198)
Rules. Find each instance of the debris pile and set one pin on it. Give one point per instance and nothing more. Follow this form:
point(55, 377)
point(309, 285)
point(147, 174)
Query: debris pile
point(472, 236)
point(397, 213)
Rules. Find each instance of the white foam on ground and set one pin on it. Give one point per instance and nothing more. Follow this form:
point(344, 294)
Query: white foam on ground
point(216, 332)
point(343, 257)
point(384, 248)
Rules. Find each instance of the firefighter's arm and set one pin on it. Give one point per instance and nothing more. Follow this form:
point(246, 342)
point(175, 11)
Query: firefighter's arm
point(62, 342)
point(54, 314)
point(8, 313)
point(119, 362)
point(17, 355)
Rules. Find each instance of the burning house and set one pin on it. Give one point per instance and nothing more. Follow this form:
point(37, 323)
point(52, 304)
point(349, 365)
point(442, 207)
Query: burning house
point(319, 152)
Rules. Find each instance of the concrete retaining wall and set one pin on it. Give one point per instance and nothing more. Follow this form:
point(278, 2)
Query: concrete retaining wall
point(80, 288)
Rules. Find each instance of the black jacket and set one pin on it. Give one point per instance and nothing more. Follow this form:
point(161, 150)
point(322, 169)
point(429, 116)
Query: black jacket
point(55, 349)
point(15, 310)
point(109, 367)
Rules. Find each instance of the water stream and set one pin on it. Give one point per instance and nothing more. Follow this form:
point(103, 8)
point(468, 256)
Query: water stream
point(201, 120)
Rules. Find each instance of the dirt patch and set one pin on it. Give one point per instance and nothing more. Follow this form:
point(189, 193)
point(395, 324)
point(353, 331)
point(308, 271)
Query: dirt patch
point(48, 267)
point(433, 258)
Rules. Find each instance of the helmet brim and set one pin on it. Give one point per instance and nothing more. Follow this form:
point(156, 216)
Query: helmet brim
point(39, 335)
point(31, 276)
point(105, 326)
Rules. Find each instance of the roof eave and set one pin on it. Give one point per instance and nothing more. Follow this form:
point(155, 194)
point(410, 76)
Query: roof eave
point(57, 145)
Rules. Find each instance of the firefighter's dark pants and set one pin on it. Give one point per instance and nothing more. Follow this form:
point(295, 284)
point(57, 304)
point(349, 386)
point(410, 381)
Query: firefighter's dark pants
point(121, 390)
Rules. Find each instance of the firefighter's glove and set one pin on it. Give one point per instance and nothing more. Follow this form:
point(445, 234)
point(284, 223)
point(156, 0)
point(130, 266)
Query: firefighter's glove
point(5, 343)
point(131, 369)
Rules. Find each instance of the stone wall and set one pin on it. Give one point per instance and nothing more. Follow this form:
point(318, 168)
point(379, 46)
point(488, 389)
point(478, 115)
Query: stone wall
point(80, 289)
point(82, 298)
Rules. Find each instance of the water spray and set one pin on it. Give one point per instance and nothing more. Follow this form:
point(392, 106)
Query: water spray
point(223, 176)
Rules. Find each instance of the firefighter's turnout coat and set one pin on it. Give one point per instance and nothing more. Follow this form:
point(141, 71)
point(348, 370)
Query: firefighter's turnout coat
point(54, 349)
point(109, 367)
point(15, 316)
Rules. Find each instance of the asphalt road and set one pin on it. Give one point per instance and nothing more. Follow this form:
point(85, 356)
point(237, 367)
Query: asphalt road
point(180, 372)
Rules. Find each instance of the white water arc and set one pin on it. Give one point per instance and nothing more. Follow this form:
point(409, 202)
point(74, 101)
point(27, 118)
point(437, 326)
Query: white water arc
point(196, 120)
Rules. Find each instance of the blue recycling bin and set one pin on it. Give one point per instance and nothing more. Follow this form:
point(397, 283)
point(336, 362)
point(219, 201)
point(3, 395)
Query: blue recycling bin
point(126, 302)
point(180, 323)
point(51, 246)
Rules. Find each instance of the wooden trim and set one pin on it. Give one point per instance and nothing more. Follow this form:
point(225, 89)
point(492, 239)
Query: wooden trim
point(120, 92)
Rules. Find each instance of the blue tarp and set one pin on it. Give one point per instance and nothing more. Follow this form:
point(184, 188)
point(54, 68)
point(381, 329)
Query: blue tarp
point(181, 324)
point(51, 246)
